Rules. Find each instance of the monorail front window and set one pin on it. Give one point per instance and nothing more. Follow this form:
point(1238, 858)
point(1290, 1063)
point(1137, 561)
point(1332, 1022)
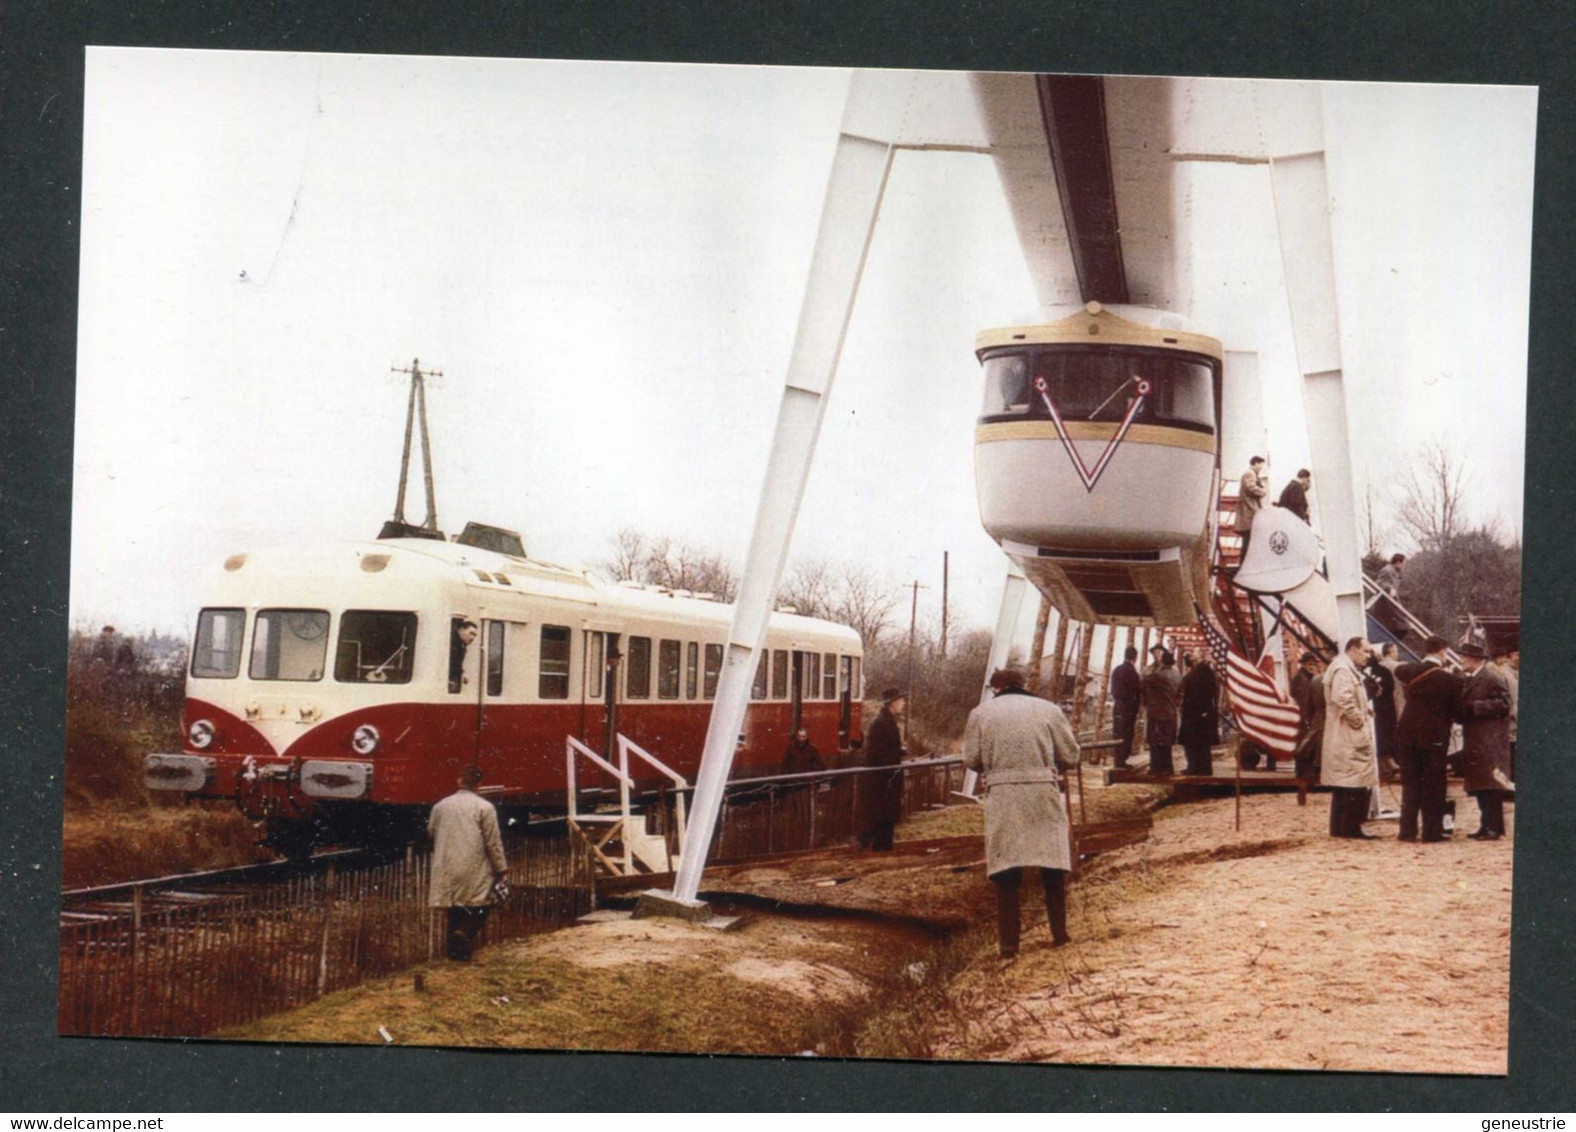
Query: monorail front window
point(289, 644)
point(375, 647)
point(1099, 385)
point(217, 650)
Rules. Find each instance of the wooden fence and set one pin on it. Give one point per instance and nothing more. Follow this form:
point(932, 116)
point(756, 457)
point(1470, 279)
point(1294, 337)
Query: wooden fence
point(190, 963)
point(816, 811)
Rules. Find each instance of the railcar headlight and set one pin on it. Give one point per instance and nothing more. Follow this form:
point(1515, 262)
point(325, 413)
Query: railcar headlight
point(366, 739)
point(200, 734)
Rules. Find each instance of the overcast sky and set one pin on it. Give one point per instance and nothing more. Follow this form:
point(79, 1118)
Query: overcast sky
point(607, 261)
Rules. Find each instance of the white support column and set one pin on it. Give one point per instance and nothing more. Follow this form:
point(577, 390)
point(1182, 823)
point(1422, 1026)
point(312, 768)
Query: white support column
point(848, 216)
point(1302, 213)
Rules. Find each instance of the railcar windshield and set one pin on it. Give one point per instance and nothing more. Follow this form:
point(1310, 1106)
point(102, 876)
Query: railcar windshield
point(216, 653)
point(1099, 385)
point(375, 647)
point(289, 644)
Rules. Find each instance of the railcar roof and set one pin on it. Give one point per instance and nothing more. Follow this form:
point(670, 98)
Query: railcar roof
point(450, 561)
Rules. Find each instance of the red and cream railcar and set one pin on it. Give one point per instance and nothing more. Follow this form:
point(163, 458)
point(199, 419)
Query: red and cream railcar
point(334, 691)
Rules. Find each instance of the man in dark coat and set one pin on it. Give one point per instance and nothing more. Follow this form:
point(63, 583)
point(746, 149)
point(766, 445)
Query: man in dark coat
point(1485, 754)
point(1163, 701)
point(1200, 728)
point(1307, 692)
point(802, 756)
point(881, 795)
point(1294, 496)
point(1125, 698)
point(1422, 736)
point(1381, 693)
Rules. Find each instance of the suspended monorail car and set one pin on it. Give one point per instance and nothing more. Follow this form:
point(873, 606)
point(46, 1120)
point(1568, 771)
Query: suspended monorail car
point(335, 691)
point(1097, 460)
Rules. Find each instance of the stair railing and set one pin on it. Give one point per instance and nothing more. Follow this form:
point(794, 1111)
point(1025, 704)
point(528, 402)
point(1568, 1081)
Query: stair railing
point(627, 747)
point(573, 747)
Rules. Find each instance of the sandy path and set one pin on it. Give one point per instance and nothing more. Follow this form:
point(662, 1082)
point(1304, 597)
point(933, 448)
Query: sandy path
point(1274, 948)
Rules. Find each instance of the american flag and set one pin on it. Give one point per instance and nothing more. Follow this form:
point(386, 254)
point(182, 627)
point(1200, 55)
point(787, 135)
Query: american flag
point(1263, 712)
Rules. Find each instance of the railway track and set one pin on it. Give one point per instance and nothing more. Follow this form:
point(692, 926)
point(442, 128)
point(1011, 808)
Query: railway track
point(185, 889)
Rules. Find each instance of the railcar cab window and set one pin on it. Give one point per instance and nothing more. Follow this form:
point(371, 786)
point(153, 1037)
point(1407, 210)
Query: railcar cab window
point(829, 676)
point(637, 669)
point(375, 647)
point(779, 674)
point(1098, 384)
point(217, 650)
point(691, 669)
point(289, 644)
point(758, 689)
point(713, 670)
point(553, 677)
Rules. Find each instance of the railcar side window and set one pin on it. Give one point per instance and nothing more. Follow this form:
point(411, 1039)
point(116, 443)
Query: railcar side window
point(495, 639)
point(289, 644)
point(779, 675)
point(829, 676)
point(758, 690)
point(812, 675)
point(596, 661)
point(637, 669)
point(553, 678)
point(217, 650)
point(691, 664)
point(375, 647)
point(668, 658)
point(713, 670)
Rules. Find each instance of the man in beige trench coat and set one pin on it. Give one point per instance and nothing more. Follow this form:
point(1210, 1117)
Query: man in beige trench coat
point(1016, 741)
point(467, 863)
point(1348, 763)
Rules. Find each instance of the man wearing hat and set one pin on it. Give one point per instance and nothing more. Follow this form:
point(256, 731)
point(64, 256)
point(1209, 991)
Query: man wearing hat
point(468, 863)
point(1485, 754)
point(1016, 741)
point(1163, 702)
point(881, 795)
point(1422, 736)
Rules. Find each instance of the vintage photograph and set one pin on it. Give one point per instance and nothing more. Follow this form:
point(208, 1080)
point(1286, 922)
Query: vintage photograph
point(983, 566)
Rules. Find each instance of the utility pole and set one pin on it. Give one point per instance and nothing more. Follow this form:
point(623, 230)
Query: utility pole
point(414, 407)
point(946, 556)
point(913, 618)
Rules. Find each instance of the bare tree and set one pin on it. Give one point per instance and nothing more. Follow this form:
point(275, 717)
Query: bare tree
point(808, 588)
point(1430, 506)
point(865, 603)
point(664, 561)
point(629, 552)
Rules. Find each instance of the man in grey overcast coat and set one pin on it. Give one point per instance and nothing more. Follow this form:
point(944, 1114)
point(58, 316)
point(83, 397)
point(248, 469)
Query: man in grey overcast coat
point(467, 863)
point(1016, 741)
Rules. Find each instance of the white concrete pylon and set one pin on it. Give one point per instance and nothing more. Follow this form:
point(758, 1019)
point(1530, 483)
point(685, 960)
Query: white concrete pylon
point(886, 110)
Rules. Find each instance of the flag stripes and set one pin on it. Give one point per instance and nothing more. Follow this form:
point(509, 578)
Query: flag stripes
point(1264, 713)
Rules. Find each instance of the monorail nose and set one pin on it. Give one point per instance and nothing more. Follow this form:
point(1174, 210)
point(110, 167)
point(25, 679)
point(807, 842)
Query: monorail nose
point(1096, 460)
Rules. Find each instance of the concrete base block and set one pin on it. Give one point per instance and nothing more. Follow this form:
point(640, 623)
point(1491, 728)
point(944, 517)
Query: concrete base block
point(603, 916)
point(655, 903)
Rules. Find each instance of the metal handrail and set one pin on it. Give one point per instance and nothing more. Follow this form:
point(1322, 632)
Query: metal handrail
point(626, 746)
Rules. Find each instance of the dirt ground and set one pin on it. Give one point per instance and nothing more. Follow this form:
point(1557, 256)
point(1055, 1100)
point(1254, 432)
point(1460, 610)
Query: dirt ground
point(1275, 947)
